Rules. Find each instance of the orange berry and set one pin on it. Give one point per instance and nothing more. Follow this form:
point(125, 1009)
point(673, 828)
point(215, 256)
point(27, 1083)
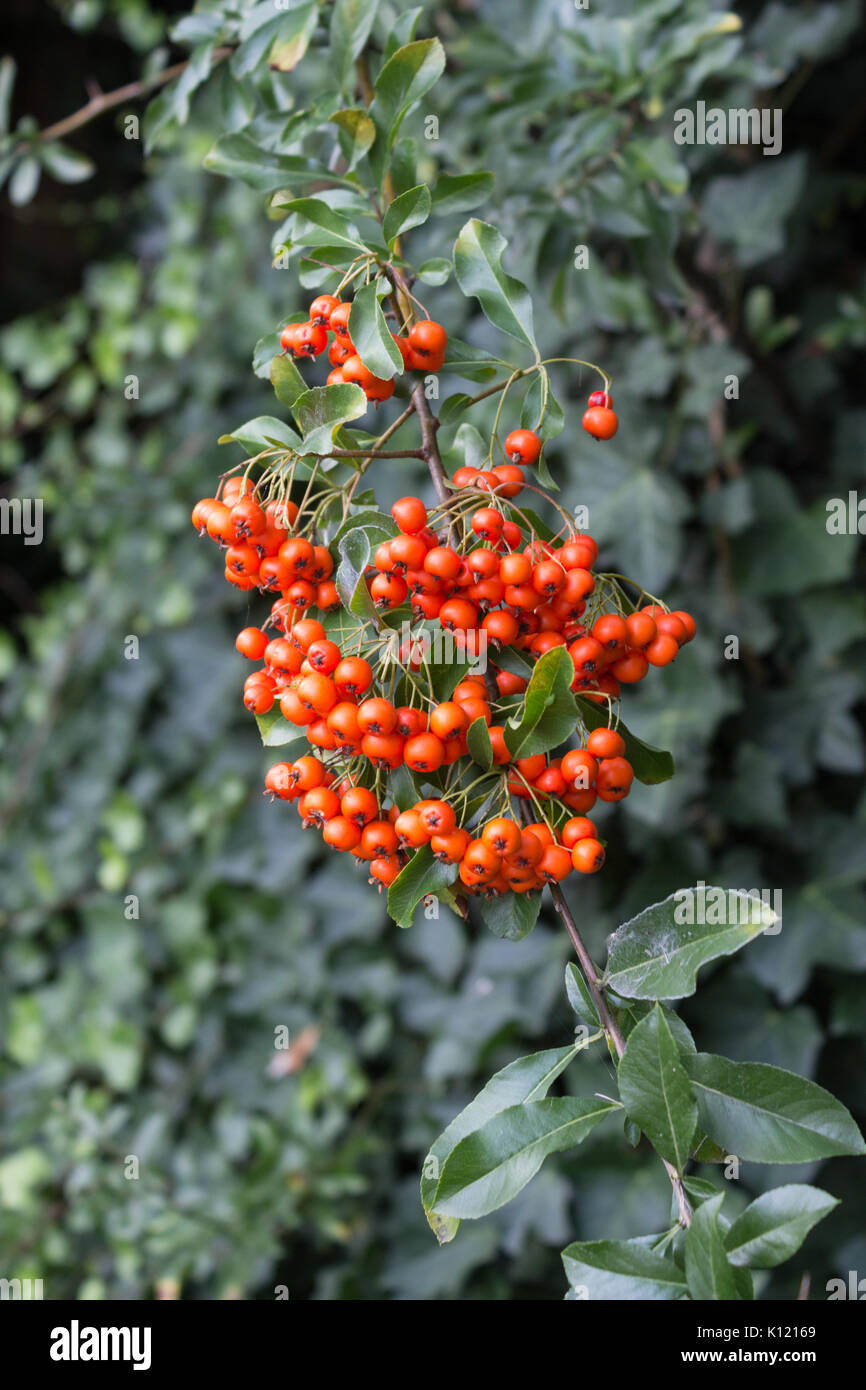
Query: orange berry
point(587, 856)
point(578, 828)
point(555, 864)
point(606, 743)
point(424, 753)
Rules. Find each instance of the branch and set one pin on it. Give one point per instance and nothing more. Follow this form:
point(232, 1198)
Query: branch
point(368, 454)
point(587, 965)
point(499, 386)
point(430, 452)
point(610, 1026)
point(427, 420)
point(133, 91)
point(383, 438)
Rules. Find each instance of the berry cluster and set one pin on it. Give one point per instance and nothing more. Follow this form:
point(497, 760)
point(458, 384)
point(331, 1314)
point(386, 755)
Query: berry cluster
point(503, 856)
point(528, 596)
point(477, 569)
point(260, 551)
point(422, 349)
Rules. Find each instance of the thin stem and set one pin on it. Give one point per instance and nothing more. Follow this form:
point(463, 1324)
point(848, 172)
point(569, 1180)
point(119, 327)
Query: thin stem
point(500, 385)
point(383, 439)
point(610, 1025)
point(368, 454)
point(105, 101)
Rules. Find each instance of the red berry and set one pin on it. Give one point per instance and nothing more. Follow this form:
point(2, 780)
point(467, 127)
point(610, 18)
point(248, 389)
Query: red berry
point(600, 422)
point(523, 446)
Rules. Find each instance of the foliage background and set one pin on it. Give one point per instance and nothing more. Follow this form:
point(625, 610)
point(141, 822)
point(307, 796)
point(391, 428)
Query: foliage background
point(154, 1037)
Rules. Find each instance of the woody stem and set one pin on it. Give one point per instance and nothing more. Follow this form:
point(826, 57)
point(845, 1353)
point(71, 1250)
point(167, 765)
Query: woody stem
point(610, 1025)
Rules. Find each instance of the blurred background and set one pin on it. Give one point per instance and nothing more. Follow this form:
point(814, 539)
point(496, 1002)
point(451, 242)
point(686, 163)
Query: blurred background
point(159, 920)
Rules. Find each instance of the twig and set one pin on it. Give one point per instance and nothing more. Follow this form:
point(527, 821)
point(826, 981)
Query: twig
point(499, 386)
point(383, 438)
point(430, 452)
point(429, 424)
point(369, 454)
point(610, 1026)
point(105, 101)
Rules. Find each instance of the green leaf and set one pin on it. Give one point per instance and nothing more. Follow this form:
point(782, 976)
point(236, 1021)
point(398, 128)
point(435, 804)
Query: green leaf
point(511, 916)
point(445, 677)
point(655, 1089)
point(453, 407)
point(768, 1115)
point(750, 208)
point(528, 1078)
point(351, 22)
point(579, 996)
point(651, 765)
point(319, 224)
point(618, 1270)
point(371, 335)
point(435, 271)
point(173, 103)
point(355, 550)
point(478, 743)
point(548, 713)
point(422, 875)
point(403, 80)
point(24, 181)
point(411, 209)
point(376, 524)
point(259, 27)
point(277, 732)
point(404, 30)
point(462, 192)
point(256, 435)
point(402, 787)
point(473, 363)
point(293, 37)
point(708, 1274)
point(321, 410)
point(64, 164)
point(631, 1132)
point(355, 132)
point(264, 352)
point(657, 954)
point(656, 158)
point(478, 265)
point(286, 380)
point(774, 1226)
point(539, 527)
point(490, 1166)
point(630, 1012)
point(239, 157)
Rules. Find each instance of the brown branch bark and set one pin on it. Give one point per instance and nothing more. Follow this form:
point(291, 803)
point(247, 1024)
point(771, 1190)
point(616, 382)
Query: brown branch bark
point(106, 101)
point(370, 454)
